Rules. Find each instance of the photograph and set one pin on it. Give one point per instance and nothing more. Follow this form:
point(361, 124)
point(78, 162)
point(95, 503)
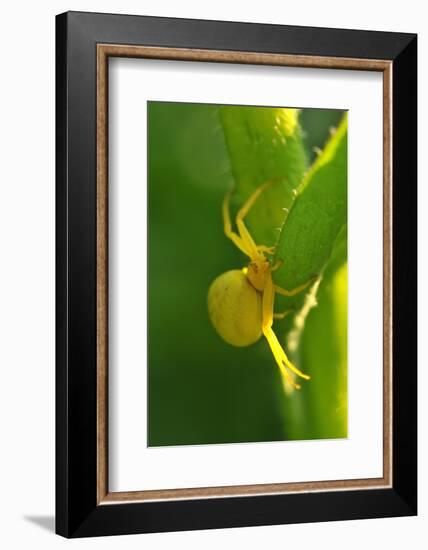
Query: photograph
point(247, 273)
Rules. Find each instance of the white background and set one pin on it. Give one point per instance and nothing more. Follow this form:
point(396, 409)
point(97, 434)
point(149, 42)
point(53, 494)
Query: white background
point(133, 466)
point(27, 274)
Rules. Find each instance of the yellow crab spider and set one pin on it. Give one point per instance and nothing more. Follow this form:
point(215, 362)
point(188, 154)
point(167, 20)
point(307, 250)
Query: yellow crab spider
point(241, 301)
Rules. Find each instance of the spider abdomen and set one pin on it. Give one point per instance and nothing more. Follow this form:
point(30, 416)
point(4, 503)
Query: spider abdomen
point(235, 308)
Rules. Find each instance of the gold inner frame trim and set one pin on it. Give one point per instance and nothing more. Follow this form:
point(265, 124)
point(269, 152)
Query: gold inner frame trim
point(104, 51)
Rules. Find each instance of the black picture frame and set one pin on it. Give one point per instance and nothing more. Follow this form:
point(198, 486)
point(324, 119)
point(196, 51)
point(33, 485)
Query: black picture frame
point(78, 512)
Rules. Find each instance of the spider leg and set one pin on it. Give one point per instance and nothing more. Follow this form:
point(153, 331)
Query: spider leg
point(294, 291)
point(267, 320)
point(277, 265)
point(234, 237)
point(282, 314)
point(246, 207)
point(243, 211)
point(266, 249)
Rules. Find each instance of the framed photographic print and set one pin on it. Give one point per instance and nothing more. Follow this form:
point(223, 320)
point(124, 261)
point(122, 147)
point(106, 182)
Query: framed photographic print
point(236, 274)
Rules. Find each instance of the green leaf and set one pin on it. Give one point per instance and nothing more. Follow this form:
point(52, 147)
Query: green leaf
point(312, 241)
point(320, 410)
point(264, 144)
point(317, 216)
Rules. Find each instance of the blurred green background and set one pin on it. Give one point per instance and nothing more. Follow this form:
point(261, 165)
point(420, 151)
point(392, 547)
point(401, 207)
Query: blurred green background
point(202, 390)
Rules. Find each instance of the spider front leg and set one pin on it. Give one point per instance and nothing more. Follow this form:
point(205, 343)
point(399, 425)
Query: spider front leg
point(267, 321)
point(266, 249)
point(244, 240)
point(230, 234)
point(242, 228)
